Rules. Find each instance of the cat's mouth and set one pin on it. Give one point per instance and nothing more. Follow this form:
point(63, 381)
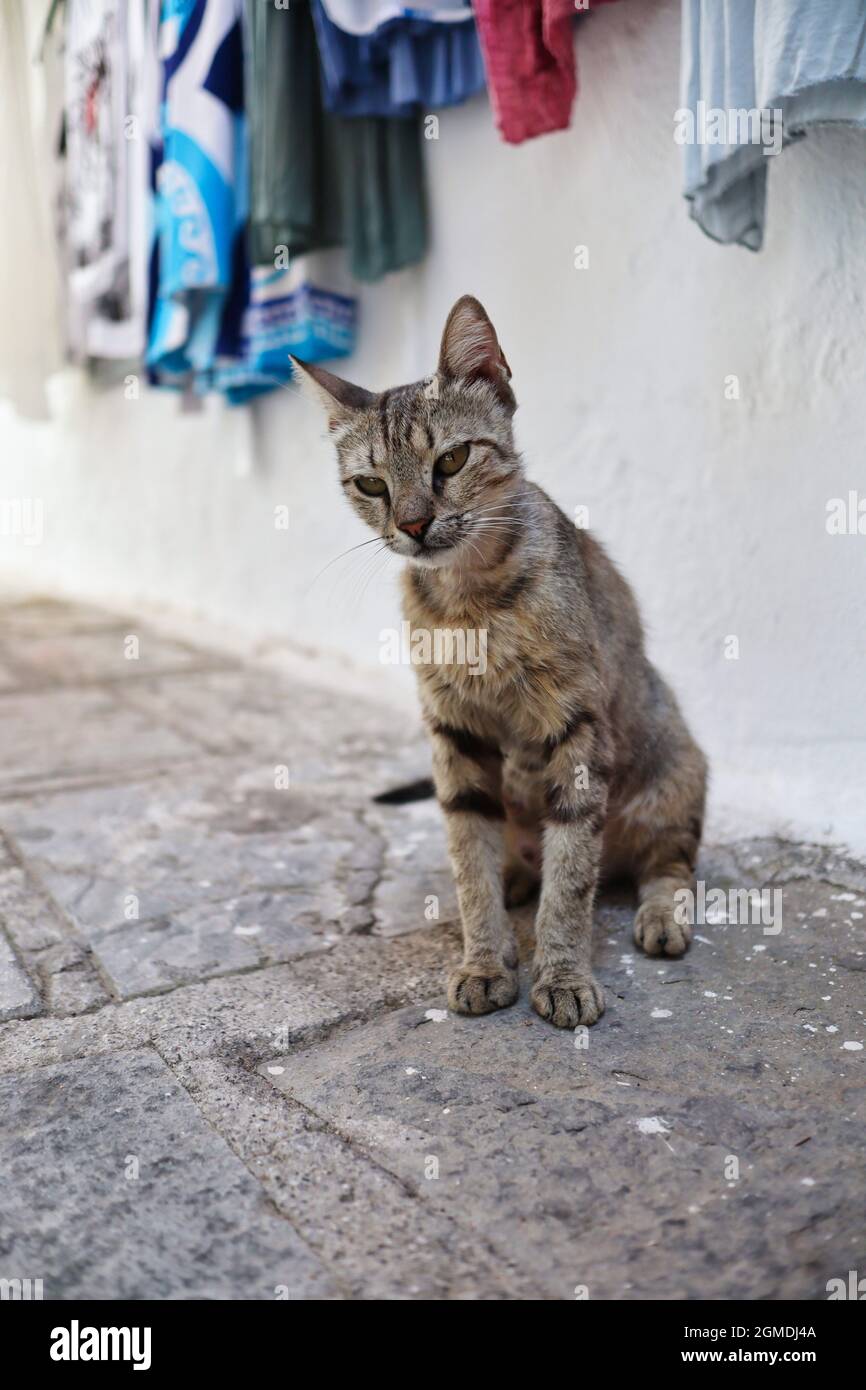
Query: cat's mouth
point(433, 556)
point(430, 552)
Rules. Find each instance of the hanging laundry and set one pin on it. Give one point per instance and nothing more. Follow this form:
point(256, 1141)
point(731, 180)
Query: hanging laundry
point(397, 59)
point(383, 196)
point(289, 312)
point(216, 322)
point(365, 16)
point(201, 194)
point(104, 215)
point(30, 348)
point(528, 48)
point(756, 75)
point(319, 180)
point(295, 194)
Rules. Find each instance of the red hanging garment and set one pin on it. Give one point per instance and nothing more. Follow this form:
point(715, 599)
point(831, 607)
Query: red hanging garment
point(528, 48)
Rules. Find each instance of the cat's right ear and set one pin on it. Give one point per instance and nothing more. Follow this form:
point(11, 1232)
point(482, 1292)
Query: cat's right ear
point(339, 399)
point(470, 349)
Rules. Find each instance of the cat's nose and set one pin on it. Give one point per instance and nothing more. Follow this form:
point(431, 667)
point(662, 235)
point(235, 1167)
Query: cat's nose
point(416, 528)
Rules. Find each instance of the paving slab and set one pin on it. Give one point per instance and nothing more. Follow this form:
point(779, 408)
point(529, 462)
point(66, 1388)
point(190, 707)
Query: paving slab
point(18, 995)
point(53, 617)
point(8, 676)
point(197, 887)
point(704, 1139)
point(255, 1016)
point(416, 884)
point(112, 654)
point(199, 873)
point(57, 738)
point(136, 1195)
point(359, 1217)
point(783, 861)
point(60, 963)
point(319, 736)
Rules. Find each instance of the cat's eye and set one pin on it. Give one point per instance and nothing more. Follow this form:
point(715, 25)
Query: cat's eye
point(451, 463)
point(371, 486)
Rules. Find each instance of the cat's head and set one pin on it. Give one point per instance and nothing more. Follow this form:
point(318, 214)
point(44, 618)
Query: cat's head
point(431, 466)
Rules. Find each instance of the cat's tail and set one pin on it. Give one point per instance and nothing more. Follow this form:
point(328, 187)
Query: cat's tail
point(421, 790)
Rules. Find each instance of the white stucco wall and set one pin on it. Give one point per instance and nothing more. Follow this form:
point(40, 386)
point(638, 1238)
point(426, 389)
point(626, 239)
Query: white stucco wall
point(715, 509)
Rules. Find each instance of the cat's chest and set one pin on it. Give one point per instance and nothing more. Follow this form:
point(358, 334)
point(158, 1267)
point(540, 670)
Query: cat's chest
point(500, 673)
point(508, 687)
point(475, 655)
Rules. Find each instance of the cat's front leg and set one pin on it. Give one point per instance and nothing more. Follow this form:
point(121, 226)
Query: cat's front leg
point(564, 989)
point(467, 773)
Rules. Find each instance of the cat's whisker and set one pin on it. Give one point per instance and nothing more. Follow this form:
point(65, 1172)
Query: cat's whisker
point(497, 502)
point(374, 572)
point(504, 520)
point(369, 563)
point(495, 509)
point(500, 510)
point(469, 541)
point(341, 556)
point(490, 527)
point(358, 587)
point(356, 570)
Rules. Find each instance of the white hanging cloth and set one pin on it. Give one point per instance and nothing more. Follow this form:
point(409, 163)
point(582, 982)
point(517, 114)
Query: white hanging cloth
point(105, 177)
point(30, 347)
point(366, 16)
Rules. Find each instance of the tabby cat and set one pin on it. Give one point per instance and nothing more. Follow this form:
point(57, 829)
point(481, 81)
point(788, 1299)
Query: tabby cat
point(567, 759)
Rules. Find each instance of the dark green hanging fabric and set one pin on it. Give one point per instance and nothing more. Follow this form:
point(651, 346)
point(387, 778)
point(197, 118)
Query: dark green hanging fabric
point(319, 180)
point(383, 193)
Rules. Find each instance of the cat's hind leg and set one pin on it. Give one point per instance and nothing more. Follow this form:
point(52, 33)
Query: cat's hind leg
point(655, 836)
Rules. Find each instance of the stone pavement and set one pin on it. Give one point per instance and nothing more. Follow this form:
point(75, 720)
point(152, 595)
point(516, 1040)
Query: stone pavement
point(226, 1065)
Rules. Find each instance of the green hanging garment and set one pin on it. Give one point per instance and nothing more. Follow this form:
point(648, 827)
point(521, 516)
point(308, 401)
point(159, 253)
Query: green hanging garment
point(384, 209)
point(319, 180)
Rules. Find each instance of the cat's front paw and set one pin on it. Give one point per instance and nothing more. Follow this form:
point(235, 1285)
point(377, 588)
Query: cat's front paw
point(657, 931)
point(565, 999)
point(480, 992)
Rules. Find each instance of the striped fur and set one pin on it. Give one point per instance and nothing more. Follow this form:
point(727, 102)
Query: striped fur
point(569, 751)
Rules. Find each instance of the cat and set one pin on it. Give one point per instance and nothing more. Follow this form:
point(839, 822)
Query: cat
point(567, 759)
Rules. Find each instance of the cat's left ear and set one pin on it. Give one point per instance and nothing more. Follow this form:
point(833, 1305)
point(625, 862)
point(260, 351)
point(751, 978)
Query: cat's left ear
point(470, 349)
point(340, 399)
